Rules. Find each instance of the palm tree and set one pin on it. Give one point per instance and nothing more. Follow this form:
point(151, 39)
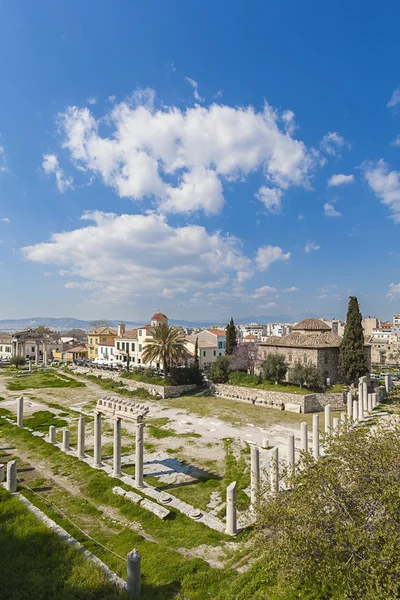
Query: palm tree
point(166, 346)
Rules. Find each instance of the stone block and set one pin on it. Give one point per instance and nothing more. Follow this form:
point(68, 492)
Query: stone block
point(160, 511)
point(293, 408)
point(135, 498)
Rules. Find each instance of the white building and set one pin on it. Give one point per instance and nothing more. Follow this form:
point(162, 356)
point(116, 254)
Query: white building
point(129, 345)
point(207, 352)
point(251, 329)
point(215, 337)
point(5, 347)
point(277, 329)
point(106, 354)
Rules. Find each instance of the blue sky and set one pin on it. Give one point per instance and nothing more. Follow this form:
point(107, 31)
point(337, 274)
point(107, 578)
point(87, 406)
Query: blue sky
point(205, 159)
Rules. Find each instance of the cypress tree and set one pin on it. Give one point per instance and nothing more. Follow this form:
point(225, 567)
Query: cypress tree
point(352, 358)
point(231, 338)
point(196, 352)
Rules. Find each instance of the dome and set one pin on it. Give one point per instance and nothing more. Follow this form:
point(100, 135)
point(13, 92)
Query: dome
point(311, 325)
point(159, 316)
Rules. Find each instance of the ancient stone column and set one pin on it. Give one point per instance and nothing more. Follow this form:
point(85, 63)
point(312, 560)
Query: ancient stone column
point(20, 411)
point(81, 437)
point(11, 483)
point(343, 417)
point(327, 413)
point(361, 409)
point(36, 354)
point(65, 440)
point(369, 403)
point(349, 406)
point(373, 400)
point(315, 436)
point(388, 382)
point(291, 455)
point(360, 391)
point(2, 471)
point(265, 443)
point(133, 575)
point(52, 434)
point(117, 449)
point(365, 397)
point(231, 527)
point(97, 441)
point(304, 437)
point(139, 455)
point(45, 357)
point(336, 422)
point(30, 366)
point(254, 474)
point(355, 411)
point(274, 471)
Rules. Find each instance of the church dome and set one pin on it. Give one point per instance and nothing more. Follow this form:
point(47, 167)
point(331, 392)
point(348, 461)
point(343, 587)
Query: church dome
point(159, 316)
point(311, 325)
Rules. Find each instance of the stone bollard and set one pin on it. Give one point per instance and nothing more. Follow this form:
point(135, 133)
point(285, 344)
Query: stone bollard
point(355, 411)
point(133, 574)
point(274, 472)
point(231, 528)
point(2, 472)
point(52, 434)
point(265, 443)
point(336, 422)
point(254, 474)
point(20, 411)
point(11, 483)
point(65, 440)
point(327, 415)
point(291, 455)
point(349, 406)
point(315, 436)
point(81, 437)
point(304, 437)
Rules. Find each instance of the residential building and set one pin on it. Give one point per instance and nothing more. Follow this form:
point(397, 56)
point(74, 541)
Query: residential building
point(277, 329)
point(251, 329)
point(106, 353)
point(216, 337)
point(336, 326)
point(370, 323)
point(129, 345)
point(98, 336)
point(207, 352)
point(5, 347)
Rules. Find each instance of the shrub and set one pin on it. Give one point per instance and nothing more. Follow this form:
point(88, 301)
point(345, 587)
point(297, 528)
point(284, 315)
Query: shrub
point(190, 374)
point(245, 379)
point(220, 370)
point(308, 375)
point(17, 361)
point(274, 367)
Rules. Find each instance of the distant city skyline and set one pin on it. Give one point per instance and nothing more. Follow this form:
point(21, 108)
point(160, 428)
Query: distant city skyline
point(205, 160)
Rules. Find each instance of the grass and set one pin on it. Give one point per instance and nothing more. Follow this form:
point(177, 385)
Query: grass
point(252, 381)
point(142, 377)
point(117, 386)
point(157, 429)
point(44, 379)
point(42, 419)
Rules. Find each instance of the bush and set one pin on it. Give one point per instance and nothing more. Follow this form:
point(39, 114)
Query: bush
point(245, 379)
point(17, 361)
point(190, 374)
point(220, 370)
point(274, 367)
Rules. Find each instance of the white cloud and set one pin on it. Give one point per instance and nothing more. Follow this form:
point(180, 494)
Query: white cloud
point(291, 289)
point(267, 305)
point(385, 184)
point(396, 141)
point(141, 255)
point(179, 159)
point(310, 246)
point(332, 143)
point(340, 179)
point(300, 217)
point(3, 160)
point(263, 291)
point(394, 99)
point(92, 100)
point(330, 211)
point(266, 255)
point(394, 291)
point(5, 220)
point(51, 165)
point(195, 87)
point(271, 198)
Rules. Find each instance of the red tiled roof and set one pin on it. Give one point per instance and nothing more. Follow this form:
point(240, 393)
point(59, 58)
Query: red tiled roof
point(159, 316)
point(217, 332)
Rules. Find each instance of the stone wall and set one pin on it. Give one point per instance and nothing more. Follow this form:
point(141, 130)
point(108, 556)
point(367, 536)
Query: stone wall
point(168, 391)
point(306, 403)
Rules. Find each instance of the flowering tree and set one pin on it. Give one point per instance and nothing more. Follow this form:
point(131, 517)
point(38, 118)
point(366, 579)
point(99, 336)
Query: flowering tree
point(245, 357)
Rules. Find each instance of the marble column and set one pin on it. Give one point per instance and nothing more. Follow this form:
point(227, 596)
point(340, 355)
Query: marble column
point(97, 441)
point(274, 471)
point(133, 575)
point(388, 382)
point(373, 400)
point(2, 471)
point(139, 455)
point(315, 436)
point(336, 422)
point(45, 361)
point(20, 411)
point(343, 417)
point(231, 526)
point(360, 391)
point(117, 448)
point(291, 455)
point(327, 414)
point(365, 397)
point(81, 437)
point(36, 354)
point(52, 434)
point(355, 411)
point(265, 443)
point(11, 483)
point(30, 365)
point(304, 437)
point(370, 403)
point(65, 440)
point(254, 474)
point(349, 406)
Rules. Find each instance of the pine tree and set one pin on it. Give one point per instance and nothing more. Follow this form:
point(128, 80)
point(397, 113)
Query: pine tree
point(231, 338)
point(196, 352)
point(352, 359)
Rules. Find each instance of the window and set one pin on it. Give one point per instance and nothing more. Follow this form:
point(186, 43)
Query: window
point(140, 347)
point(140, 332)
point(91, 340)
point(133, 359)
point(118, 346)
point(204, 352)
point(96, 351)
point(33, 349)
point(97, 340)
point(111, 351)
point(215, 353)
point(219, 345)
point(123, 345)
point(219, 353)
point(133, 347)
point(104, 339)
point(139, 361)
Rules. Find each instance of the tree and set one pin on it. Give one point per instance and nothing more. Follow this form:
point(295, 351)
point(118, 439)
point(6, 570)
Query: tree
point(220, 370)
point(78, 334)
point(231, 338)
point(166, 345)
point(98, 324)
point(352, 358)
point(17, 361)
point(335, 535)
point(274, 367)
point(308, 375)
point(196, 352)
point(245, 357)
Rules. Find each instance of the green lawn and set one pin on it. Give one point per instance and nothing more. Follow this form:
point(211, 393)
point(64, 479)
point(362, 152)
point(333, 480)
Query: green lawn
point(252, 381)
point(144, 378)
point(44, 379)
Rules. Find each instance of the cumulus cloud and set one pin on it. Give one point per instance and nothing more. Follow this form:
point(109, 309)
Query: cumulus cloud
point(179, 159)
point(385, 184)
point(310, 246)
point(3, 160)
point(195, 87)
point(271, 198)
point(141, 255)
point(394, 98)
point(332, 143)
point(340, 179)
point(330, 210)
point(396, 141)
point(50, 166)
point(291, 289)
point(92, 100)
point(394, 291)
point(5, 220)
point(263, 291)
point(266, 255)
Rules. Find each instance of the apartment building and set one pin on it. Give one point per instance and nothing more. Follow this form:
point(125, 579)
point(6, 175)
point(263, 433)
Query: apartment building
point(101, 335)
